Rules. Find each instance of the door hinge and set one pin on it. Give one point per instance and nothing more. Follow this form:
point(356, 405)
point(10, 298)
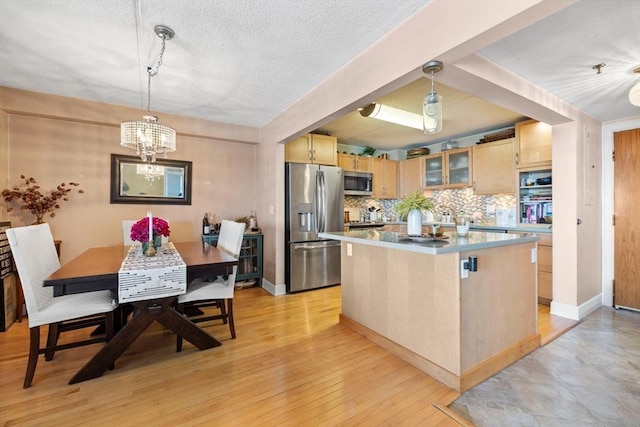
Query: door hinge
point(613, 155)
point(613, 219)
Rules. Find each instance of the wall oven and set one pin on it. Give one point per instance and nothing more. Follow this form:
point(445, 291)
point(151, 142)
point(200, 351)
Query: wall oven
point(358, 183)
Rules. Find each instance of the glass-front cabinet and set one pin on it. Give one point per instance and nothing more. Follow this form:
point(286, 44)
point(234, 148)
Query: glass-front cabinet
point(449, 169)
point(250, 260)
point(535, 196)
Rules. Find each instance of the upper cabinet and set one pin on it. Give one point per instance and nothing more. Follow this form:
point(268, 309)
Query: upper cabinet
point(533, 144)
point(449, 169)
point(494, 167)
point(385, 178)
point(312, 148)
point(411, 176)
point(355, 163)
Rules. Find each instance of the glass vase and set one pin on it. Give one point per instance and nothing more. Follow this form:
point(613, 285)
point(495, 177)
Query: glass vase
point(157, 242)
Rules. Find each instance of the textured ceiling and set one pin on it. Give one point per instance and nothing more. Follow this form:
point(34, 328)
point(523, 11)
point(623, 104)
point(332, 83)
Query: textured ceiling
point(244, 61)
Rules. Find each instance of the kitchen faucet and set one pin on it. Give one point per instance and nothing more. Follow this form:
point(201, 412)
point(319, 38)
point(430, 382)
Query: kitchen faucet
point(447, 212)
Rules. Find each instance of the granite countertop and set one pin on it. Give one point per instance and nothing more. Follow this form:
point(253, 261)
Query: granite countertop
point(451, 244)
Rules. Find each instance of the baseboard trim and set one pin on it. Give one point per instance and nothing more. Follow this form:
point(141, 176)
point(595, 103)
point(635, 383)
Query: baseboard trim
point(460, 383)
point(496, 363)
point(275, 290)
point(576, 312)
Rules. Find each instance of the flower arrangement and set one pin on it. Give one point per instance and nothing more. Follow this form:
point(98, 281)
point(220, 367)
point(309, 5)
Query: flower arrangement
point(140, 230)
point(36, 202)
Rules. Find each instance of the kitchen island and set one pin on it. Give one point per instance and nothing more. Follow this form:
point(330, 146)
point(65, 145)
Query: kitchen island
point(411, 297)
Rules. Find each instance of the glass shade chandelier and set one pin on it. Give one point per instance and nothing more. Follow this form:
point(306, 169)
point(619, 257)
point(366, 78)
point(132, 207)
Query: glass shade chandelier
point(432, 106)
point(148, 137)
point(150, 172)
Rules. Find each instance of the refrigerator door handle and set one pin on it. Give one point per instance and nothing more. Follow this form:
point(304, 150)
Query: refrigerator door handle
point(311, 248)
point(321, 201)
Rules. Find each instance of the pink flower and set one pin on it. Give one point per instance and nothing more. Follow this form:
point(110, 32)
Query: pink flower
point(140, 230)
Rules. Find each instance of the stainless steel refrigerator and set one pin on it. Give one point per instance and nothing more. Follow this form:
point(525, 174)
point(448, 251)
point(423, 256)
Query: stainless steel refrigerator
point(314, 203)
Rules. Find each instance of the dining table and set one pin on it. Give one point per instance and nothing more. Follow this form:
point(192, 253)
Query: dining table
point(97, 269)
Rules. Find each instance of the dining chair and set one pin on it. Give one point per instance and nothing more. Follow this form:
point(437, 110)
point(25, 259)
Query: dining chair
point(126, 232)
point(35, 256)
point(217, 292)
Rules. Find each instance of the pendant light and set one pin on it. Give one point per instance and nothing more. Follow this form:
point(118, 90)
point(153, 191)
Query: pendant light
point(432, 106)
point(147, 136)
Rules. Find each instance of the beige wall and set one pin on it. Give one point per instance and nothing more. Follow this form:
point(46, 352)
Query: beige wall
point(64, 146)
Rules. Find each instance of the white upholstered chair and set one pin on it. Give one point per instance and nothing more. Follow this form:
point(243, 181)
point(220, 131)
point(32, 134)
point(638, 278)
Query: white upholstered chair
point(215, 292)
point(35, 256)
point(126, 232)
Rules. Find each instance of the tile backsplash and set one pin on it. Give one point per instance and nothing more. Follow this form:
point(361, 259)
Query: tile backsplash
point(459, 200)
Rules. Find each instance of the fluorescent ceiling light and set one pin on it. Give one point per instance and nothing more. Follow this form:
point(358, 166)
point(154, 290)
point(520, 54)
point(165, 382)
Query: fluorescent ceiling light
point(392, 115)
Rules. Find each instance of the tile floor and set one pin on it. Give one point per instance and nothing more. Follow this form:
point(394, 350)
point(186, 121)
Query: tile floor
point(589, 376)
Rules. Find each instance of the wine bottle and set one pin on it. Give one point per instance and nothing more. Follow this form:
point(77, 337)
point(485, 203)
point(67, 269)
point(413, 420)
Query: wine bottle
point(205, 224)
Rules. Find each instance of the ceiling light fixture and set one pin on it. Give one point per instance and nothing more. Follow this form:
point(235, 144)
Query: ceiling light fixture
point(150, 172)
point(432, 107)
point(634, 93)
point(147, 136)
point(599, 67)
point(392, 115)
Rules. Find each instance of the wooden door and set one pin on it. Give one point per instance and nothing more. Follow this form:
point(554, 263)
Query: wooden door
point(626, 196)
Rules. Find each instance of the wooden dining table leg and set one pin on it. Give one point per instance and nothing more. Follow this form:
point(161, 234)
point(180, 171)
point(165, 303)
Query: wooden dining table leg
point(147, 312)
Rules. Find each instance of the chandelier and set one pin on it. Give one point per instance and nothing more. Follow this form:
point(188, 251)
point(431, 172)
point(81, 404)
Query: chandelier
point(432, 107)
point(150, 172)
point(147, 136)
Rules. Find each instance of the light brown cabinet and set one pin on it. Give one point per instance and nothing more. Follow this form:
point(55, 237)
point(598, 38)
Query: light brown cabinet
point(545, 268)
point(385, 178)
point(494, 167)
point(411, 177)
point(355, 163)
point(449, 169)
point(312, 148)
point(533, 144)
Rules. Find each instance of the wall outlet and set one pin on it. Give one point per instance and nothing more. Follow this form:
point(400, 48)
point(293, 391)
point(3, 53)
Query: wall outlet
point(349, 249)
point(464, 272)
point(534, 255)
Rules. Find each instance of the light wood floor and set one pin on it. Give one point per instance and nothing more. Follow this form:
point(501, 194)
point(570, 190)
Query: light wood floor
point(291, 364)
point(551, 326)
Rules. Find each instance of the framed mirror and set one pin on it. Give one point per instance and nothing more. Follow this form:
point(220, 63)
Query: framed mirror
point(165, 182)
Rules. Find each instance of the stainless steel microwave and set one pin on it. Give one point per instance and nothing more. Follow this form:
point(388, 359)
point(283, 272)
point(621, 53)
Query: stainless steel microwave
point(358, 183)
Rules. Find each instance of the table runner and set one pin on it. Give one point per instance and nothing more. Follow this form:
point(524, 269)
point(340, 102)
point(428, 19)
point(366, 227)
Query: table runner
point(141, 277)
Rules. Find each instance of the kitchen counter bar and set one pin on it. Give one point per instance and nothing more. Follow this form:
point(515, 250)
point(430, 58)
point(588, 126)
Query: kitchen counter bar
point(418, 301)
point(451, 243)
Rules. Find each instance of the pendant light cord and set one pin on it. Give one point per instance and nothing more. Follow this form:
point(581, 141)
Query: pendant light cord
point(151, 73)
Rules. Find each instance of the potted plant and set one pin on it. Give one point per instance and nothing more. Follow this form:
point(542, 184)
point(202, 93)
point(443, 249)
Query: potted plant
point(39, 203)
point(368, 151)
point(411, 207)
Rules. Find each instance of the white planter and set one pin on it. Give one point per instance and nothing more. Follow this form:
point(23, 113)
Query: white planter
point(414, 222)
